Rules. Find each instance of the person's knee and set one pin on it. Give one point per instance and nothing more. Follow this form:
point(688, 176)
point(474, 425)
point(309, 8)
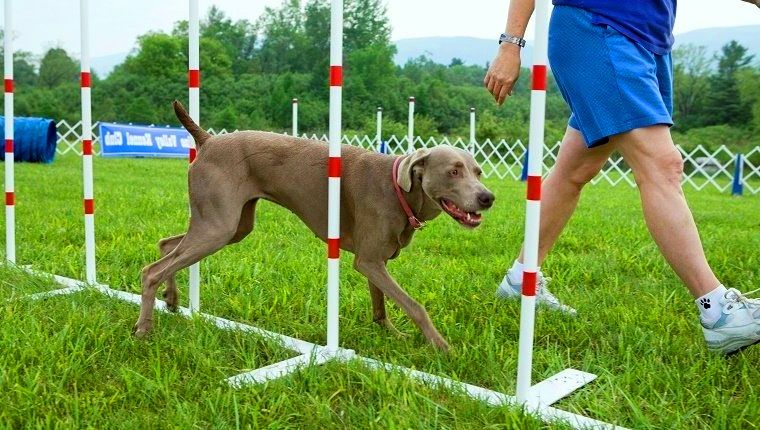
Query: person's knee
point(584, 173)
point(664, 170)
point(654, 158)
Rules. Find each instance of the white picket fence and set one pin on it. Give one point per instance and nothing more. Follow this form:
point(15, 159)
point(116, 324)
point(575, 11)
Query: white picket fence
point(502, 159)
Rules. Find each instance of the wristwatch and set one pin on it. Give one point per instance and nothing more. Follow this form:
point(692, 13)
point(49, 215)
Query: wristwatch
point(519, 41)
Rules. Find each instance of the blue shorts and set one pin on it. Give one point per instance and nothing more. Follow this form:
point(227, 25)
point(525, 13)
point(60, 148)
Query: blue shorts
point(610, 82)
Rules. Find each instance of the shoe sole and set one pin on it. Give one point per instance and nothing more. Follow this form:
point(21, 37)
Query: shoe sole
point(731, 348)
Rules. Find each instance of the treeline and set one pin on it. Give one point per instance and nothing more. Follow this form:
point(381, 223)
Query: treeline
point(250, 71)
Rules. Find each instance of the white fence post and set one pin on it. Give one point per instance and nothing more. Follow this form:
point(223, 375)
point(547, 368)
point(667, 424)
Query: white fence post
point(410, 128)
point(379, 132)
point(472, 131)
point(295, 118)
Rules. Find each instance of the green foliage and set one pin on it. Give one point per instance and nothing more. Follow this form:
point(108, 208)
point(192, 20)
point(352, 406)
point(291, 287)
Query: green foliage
point(712, 137)
point(57, 68)
point(724, 105)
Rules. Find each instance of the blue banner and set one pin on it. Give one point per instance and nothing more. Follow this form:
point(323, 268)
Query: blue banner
point(120, 140)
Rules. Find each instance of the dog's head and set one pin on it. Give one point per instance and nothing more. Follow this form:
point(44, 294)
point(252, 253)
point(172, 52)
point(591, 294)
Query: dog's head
point(451, 178)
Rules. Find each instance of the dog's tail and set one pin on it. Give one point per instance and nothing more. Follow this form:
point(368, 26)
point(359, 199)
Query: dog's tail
point(200, 135)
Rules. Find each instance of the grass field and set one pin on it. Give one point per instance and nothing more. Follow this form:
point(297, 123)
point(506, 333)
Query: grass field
point(70, 362)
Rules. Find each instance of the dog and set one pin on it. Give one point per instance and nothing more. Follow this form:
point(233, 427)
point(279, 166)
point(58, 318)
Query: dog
point(378, 215)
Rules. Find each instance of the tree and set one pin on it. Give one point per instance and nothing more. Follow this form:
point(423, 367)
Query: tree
point(724, 103)
point(691, 83)
point(57, 68)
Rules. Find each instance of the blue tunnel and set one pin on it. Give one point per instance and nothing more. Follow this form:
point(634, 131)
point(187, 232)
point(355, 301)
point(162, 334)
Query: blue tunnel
point(34, 139)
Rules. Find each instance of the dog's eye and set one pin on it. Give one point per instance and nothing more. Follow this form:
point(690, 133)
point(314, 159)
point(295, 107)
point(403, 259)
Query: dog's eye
point(454, 172)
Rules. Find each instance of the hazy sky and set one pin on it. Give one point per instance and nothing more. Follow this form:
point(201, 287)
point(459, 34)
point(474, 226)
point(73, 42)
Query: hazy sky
point(40, 24)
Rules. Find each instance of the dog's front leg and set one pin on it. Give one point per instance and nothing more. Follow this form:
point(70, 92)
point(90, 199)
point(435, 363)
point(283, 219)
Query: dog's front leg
point(378, 275)
point(378, 310)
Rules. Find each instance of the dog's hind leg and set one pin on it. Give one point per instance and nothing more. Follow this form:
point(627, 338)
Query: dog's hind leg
point(245, 225)
point(378, 310)
point(168, 244)
point(215, 221)
point(171, 295)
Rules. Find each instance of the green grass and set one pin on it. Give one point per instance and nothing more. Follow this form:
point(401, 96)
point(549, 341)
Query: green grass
point(70, 361)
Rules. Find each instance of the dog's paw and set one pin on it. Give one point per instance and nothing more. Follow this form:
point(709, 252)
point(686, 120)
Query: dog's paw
point(172, 301)
point(141, 330)
point(441, 344)
point(388, 326)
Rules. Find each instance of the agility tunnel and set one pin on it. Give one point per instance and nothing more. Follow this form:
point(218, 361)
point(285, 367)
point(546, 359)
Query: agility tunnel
point(34, 139)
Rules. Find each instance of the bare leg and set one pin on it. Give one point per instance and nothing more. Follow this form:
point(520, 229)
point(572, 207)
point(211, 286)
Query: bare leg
point(378, 310)
point(658, 168)
point(576, 166)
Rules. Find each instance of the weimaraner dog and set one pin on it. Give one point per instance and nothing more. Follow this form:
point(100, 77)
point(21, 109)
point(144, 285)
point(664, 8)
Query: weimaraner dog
point(233, 171)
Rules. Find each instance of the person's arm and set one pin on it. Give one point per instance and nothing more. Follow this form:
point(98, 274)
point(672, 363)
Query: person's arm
point(505, 68)
point(754, 2)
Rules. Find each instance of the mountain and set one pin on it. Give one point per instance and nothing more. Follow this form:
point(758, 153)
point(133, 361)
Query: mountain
point(105, 64)
point(480, 51)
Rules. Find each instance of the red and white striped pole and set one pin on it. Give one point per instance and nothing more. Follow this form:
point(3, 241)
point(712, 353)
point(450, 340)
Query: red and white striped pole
point(89, 193)
point(10, 197)
point(295, 118)
point(333, 173)
point(533, 207)
point(194, 85)
point(410, 128)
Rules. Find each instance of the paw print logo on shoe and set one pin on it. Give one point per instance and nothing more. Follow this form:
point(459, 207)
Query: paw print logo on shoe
point(705, 303)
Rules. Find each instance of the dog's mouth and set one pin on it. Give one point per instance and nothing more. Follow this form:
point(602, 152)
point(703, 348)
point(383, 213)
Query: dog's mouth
point(467, 219)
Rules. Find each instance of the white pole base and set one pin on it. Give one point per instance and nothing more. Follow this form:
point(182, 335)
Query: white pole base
point(541, 395)
point(551, 390)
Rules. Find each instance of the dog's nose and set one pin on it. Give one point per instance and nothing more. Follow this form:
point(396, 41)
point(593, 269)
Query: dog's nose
point(486, 199)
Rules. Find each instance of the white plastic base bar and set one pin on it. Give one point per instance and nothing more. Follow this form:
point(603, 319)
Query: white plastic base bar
point(53, 293)
point(277, 370)
point(542, 395)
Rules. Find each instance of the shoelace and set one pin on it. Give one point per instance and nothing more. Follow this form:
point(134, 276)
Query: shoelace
point(737, 296)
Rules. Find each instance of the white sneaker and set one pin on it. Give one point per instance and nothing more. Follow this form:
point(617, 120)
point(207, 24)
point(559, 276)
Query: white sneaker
point(738, 325)
point(508, 290)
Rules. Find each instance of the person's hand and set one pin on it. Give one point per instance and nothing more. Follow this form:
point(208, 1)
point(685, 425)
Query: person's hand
point(504, 72)
point(754, 2)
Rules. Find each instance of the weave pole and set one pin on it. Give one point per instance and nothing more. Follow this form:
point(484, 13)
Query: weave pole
point(333, 173)
point(10, 196)
point(295, 118)
point(472, 131)
point(87, 174)
point(533, 204)
point(410, 127)
point(193, 88)
point(379, 130)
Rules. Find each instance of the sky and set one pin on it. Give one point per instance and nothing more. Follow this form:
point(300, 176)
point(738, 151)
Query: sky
point(115, 24)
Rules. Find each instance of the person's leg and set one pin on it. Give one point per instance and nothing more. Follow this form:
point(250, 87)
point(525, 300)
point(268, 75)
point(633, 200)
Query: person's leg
point(576, 166)
point(658, 168)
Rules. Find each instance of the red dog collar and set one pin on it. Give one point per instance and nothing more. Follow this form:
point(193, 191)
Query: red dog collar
point(413, 221)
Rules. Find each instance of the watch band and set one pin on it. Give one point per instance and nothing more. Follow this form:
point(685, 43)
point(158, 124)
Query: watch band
point(519, 41)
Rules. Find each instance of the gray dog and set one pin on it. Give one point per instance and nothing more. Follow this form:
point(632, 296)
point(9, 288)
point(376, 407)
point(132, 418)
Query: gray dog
point(233, 171)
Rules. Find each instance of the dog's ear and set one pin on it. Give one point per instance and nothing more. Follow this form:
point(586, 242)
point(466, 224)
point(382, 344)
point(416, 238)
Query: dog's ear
point(407, 167)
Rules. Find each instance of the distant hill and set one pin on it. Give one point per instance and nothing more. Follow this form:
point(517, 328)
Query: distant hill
point(105, 64)
point(480, 51)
